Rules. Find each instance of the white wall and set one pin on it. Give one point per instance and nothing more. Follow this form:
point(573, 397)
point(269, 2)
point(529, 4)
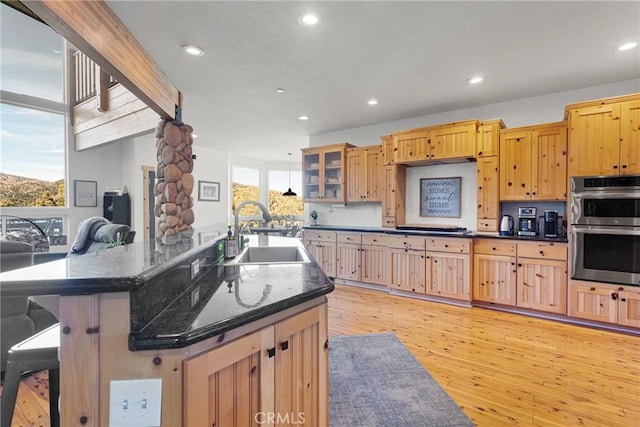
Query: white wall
point(522, 112)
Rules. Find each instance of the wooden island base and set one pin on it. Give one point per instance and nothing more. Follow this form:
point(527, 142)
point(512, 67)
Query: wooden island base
point(274, 367)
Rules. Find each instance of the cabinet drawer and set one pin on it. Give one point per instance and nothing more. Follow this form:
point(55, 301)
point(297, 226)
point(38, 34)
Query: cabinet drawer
point(494, 247)
point(375, 240)
point(485, 224)
point(449, 245)
point(355, 238)
point(321, 236)
point(389, 221)
point(406, 242)
point(543, 250)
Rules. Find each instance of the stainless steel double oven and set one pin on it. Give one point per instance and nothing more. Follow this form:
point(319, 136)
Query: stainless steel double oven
point(605, 229)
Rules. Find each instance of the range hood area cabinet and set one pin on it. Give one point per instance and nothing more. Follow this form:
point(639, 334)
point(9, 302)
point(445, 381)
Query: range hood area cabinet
point(533, 162)
point(324, 173)
point(487, 151)
point(604, 136)
point(435, 143)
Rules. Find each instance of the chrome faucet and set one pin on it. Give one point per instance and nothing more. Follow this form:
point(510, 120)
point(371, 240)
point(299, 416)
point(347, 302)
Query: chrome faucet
point(265, 215)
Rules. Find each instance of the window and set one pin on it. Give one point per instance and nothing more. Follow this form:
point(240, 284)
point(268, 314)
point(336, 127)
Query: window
point(245, 184)
point(285, 210)
point(33, 119)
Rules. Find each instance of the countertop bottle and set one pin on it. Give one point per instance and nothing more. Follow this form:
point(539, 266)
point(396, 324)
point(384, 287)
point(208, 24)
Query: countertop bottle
point(230, 245)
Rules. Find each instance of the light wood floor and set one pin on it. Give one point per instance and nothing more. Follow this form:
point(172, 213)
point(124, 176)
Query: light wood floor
point(506, 369)
point(500, 368)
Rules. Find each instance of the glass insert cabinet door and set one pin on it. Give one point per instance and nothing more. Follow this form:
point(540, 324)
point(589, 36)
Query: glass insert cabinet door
point(324, 173)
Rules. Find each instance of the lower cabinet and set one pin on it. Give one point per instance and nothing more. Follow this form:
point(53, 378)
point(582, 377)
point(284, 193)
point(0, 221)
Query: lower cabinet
point(322, 247)
point(279, 372)
point(375, 264)
point(450, 270)
point(409, 270)
point(605, 303)
point(524, 274)
point(348, 256)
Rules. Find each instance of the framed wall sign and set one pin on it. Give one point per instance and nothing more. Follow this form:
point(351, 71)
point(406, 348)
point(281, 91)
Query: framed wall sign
point(440, 197)
point(85, 193)
point(209, 191)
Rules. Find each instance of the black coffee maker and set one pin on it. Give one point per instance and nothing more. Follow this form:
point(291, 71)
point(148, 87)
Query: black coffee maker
point(552, 224)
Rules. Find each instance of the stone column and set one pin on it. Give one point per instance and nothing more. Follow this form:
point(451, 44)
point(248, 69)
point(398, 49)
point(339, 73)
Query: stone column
point(174, 181)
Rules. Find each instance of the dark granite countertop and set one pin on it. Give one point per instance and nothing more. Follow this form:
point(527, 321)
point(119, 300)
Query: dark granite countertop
point(124, 268)
point(226, 297)
point(468, 234)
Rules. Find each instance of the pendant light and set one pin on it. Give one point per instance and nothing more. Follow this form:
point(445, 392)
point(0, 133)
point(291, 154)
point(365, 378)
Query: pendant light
point(289, 192)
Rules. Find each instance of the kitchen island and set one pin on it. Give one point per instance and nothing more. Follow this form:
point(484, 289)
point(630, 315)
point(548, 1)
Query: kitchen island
point(230, 342)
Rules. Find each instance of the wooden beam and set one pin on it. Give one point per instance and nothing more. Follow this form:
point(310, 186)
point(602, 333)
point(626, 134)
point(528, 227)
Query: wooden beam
point(102, 91)
point(94, 29)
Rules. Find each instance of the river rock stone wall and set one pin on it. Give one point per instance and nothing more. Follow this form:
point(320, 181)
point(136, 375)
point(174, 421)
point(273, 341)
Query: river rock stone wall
point(174, 180)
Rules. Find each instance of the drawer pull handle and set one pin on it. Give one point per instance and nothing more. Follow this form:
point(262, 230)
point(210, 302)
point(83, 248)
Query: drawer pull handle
point(284, 345)
point(271, 352)
point(593, 289)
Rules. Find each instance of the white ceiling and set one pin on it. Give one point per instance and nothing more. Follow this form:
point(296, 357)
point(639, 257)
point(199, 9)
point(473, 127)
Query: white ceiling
point(415, 57)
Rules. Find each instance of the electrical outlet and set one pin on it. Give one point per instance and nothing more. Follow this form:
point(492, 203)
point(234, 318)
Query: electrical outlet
point(135, 403)
point(195, 268)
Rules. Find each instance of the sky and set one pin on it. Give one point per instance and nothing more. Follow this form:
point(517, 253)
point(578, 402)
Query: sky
point(32, 142)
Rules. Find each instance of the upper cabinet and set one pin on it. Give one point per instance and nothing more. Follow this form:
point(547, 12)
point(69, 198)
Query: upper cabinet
point(488, 138)
point(411, 146)
point(604, 136)
point(387, 149)
point(533, 162)
point(453, 140)
point(435, 143)
point(364, 174)
point(323, 173)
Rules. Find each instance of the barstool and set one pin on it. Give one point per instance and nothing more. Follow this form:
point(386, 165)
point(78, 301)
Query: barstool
point(36, 353)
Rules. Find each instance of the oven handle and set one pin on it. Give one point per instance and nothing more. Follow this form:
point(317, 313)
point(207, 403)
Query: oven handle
point(605, 194)
point(588, 229)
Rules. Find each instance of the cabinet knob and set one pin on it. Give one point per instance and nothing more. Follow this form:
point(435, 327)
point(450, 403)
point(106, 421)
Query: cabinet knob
point(479, 153)
point(624, 166)
point(480, 188)
point(614, 296)
point(593, 289)
point(513, 263)
point(271, 352)
point(446, 246)
point(534, 193)
point(542, 253)
point(621, 289)
point(519, 265)
point(615, 166)
point(284, 345)
point(493, 249)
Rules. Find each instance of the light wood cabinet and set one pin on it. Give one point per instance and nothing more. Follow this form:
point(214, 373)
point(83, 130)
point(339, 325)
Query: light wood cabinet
point(488, 193)
point(604, 303)
point(494, 278)
point(603, 136)
point(387, 149)
point(411, 146)
point(533, 163)
point(375, 260)
point(530, 275)
point(348, 256)
point(450, 275)
point(409, 270)
point(488, 139)
point(542, 285)
point(322, 247)
point(393, 196)
point(324, 173)
point(364, 174)
point(453, 140)
point(279, 369)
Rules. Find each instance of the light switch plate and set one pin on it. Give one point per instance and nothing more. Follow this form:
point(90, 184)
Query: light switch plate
point(195, 268)
point(135, 403)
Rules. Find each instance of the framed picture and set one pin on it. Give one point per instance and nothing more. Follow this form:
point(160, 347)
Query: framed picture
point(209, 191)
point(440, 197)
point(85, 193)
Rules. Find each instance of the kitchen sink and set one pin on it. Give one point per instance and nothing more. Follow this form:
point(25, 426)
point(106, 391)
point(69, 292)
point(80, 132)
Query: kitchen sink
point(272, 255)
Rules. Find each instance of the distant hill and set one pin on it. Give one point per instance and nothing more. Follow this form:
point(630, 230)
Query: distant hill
point(279, 206)
point(20, 191)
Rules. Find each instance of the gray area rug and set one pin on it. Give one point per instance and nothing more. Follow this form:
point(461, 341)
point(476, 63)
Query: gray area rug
point(375, 381)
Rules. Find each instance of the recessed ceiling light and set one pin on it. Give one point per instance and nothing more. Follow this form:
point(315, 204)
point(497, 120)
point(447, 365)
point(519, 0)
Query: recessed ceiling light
point(193, 50)
point(57, 51)
point(309, 19)
point(280, 90)
point(627, 46)
point(303, 117)
point(373, 102)
point(475, 80)
point(195, 135)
